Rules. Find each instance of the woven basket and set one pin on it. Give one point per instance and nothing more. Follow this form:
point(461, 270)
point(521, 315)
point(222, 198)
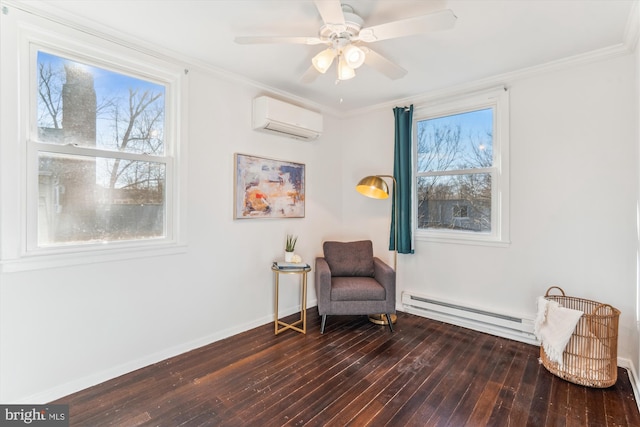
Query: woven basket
point(591, 355)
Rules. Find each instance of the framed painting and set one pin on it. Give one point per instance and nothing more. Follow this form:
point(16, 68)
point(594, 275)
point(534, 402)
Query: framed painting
point(268, 188)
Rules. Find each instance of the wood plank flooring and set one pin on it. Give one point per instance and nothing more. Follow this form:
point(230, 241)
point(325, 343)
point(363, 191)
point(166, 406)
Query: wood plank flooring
point(426, 373)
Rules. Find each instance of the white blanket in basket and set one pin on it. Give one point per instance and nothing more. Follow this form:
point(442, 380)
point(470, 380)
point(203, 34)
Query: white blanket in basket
point(554, 326)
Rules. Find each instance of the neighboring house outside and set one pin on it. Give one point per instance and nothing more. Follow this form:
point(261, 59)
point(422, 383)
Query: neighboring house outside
point(455, 214)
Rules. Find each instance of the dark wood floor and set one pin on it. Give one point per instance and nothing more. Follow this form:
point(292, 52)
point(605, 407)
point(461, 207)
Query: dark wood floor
point(426, 373)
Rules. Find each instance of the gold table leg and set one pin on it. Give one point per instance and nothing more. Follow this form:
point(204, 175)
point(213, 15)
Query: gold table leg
point(275, 313)
point(303, 312)
point(304, 303)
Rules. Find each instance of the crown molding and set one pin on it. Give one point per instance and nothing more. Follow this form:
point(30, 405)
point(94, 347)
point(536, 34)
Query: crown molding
point(628, 45)
point(505, 79)
point(43, 10)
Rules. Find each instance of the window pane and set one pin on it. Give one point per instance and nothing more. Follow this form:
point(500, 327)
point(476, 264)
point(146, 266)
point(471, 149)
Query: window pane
point(457, 202)
point(93, 107)
point(461, 141)
point(85, 199)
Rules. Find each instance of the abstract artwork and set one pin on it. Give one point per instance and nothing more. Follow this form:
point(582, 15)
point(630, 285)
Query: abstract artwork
point(268, 188)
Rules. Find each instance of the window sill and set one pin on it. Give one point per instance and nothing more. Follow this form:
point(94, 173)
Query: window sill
point(42, 261)
point(458, 238)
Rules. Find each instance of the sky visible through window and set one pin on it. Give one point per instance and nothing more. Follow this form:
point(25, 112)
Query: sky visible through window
point(106, 82)
point(109, 85)
point(440, 148)
point(474, 121)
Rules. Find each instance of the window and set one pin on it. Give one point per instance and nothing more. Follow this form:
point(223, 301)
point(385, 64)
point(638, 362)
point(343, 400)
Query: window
point(103, 150)
point(461, 170)
point(93, 155)
point(102, 163)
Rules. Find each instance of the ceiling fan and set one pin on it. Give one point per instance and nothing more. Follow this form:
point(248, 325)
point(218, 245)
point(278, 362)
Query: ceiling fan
point(347, 40)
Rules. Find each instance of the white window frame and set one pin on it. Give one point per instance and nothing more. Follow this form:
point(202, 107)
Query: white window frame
point(120, 57)
point(498, 100)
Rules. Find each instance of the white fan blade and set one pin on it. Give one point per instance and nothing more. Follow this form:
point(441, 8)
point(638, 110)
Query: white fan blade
point(330, 11)
point(437, 21)
point(267, 40)
point(310, 75)
point(382, 64)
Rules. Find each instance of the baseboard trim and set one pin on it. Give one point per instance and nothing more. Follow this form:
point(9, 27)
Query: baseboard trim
point(633, 377)
point(100, 377)
point(480, 327)
point(78, 384)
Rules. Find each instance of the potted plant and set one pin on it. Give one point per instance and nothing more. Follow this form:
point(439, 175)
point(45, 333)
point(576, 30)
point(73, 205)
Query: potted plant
point(289, 247)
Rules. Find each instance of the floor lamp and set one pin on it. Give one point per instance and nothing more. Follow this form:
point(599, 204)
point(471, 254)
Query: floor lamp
point(375, 187)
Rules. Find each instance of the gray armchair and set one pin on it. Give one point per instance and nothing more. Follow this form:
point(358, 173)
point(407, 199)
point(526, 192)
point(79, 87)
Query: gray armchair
point(350, 280)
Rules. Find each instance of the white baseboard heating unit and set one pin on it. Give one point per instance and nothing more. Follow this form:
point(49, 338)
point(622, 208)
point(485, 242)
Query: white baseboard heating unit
point(502, 325)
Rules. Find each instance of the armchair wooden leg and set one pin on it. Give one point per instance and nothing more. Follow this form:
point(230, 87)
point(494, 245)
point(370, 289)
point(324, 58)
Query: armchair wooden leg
point(324, 320)
point(389, 321)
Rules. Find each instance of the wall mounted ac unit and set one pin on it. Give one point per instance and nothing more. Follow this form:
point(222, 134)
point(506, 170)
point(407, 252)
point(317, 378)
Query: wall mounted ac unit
point(272, 115)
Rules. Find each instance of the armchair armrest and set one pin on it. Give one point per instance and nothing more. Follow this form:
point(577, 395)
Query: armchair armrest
point(323, 284)
point(385, 275)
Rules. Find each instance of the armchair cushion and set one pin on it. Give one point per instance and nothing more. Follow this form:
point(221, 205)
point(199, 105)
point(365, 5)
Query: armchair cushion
point(356, 289)
point(349, 259)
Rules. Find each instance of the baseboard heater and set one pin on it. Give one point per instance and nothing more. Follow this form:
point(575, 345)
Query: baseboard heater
point(499, 324)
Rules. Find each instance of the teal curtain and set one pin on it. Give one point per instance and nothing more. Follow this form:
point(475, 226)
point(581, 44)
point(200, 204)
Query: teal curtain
point(402, 171)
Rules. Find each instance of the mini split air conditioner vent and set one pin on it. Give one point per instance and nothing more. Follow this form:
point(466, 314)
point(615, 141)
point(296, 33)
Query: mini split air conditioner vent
point(272, 115)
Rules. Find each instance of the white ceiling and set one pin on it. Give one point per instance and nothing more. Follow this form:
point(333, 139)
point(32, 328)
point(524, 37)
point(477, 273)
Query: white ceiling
point(490, 37)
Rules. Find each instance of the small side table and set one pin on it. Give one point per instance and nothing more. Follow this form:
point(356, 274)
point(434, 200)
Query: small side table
point(303, 311)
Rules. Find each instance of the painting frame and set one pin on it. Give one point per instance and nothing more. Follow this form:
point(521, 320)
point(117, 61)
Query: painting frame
point(266, 188)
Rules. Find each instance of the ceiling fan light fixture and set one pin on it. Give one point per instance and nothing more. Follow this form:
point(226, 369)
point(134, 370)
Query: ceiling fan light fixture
point(344, 35)
point(323, 60)
point(344, 71)
point(354, 56)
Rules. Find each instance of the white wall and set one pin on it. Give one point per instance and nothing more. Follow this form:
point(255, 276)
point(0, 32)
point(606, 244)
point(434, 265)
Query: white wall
point(637, 298)
point(64, 329)
point(574, 189)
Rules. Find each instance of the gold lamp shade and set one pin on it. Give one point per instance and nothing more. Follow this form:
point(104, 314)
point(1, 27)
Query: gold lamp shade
point(374, 187)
